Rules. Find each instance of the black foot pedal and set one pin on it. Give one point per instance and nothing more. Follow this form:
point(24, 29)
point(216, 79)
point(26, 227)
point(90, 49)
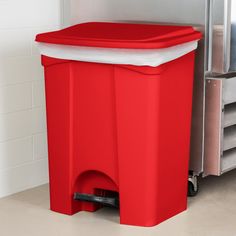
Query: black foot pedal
point(107, 201)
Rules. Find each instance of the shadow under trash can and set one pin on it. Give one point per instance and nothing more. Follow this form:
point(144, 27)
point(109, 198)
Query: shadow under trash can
point(119, 100)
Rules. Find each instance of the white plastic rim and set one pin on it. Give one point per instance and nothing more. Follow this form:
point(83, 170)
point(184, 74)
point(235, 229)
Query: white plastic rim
point(137, 57)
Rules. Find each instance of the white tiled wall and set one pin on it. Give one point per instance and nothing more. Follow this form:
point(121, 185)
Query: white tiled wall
point(23, 142)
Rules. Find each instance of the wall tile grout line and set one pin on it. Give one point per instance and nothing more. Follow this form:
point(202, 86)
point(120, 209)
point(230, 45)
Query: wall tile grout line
point(18, 83)
point(14, 84)
point(23, 137)
point(22, 110)
point(29, 28)
point(24, 164)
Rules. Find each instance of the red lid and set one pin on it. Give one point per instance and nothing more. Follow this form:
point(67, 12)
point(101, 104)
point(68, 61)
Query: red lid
point(121, 35)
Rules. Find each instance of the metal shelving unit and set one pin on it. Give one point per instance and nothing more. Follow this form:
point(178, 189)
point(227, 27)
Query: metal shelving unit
point(220, 124)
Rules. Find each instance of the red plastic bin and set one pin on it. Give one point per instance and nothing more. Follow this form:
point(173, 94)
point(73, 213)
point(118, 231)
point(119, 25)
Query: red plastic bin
point(121, 128)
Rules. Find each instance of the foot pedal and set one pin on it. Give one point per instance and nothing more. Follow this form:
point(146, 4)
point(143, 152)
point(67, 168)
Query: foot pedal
point(107, 201)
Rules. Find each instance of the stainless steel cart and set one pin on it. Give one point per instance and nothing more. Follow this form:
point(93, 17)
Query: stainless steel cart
point(219, 127)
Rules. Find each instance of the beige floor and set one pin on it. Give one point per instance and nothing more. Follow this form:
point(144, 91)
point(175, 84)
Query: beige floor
point(211, 213)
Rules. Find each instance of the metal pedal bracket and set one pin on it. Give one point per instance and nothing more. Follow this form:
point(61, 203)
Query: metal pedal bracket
point(107, 201)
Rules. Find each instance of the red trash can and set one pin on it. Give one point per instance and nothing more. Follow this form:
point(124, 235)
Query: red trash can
point(119, 127)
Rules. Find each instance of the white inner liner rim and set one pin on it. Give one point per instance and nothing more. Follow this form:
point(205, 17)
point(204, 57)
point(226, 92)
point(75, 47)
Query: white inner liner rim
point(137, 57)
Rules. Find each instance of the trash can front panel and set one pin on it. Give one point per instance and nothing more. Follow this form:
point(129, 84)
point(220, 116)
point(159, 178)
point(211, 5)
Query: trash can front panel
point(95, 118)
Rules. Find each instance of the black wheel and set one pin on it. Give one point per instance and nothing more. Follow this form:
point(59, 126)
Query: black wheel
point(191, 191)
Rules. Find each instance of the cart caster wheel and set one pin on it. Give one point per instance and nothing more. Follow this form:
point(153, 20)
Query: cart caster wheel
point(193, 186)
point(191, 191)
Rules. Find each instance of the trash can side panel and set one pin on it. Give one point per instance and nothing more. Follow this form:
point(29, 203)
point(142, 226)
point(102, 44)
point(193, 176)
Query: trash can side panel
point(137, 102)
point(60, 137)
point(174, 135)
point(153, 121)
